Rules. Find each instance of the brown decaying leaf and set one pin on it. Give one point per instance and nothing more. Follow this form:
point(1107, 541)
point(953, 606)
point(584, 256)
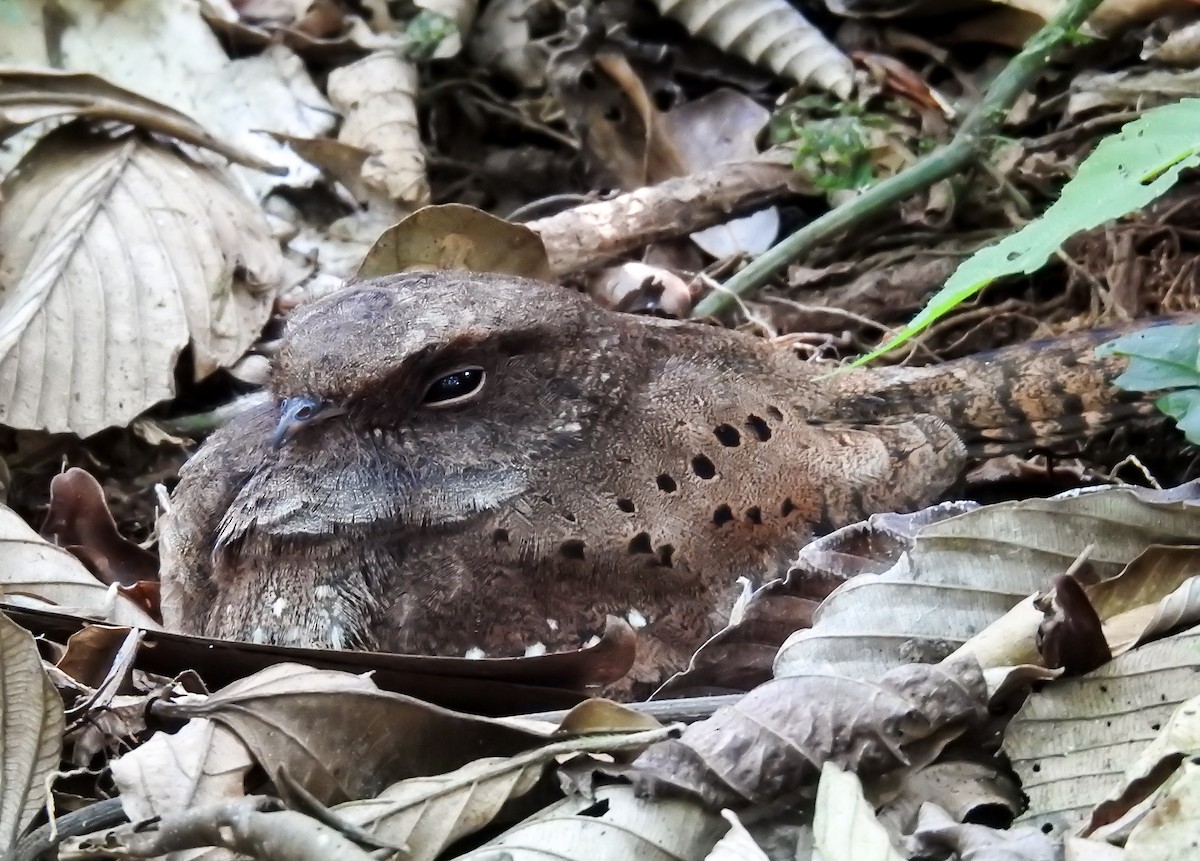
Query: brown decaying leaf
point(377, 96)
point(117, 253)
point(456, 236)
point(78, 520)
point(1071, 635)
point(31, 726)
point(293, 718)
point(769, 33)
point(1168, 831)
point(771, 743)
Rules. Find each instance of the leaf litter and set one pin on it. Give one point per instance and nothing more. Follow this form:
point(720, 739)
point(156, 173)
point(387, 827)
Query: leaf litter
point(910, 678)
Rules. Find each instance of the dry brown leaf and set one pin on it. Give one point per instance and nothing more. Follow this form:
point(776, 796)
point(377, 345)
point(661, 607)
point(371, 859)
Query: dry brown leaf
point(31, 727)
point(33, 571)
point(614, 825)
point(79, 520)
point(768, 33)
point(117, 253)
point(293, 719)
point(773, 741)
point(377, 95)
point(456, 236)
point(1071, 740)
point(970, 791)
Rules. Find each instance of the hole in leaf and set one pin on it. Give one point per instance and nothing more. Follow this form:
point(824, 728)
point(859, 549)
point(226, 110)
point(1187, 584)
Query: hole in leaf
point(703, 467)
point(754, 515)
point(722, 514)
point(626, 505)
point(666, 484)
point(788, 507)
point(500, 536)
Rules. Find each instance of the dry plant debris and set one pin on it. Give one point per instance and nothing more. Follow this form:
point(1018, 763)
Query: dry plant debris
point(1015, 678)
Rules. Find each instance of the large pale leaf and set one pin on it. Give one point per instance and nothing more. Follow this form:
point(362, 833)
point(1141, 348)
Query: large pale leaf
point(117, 253)
point(31, 729)
point(968, 571)
point(1072, 740)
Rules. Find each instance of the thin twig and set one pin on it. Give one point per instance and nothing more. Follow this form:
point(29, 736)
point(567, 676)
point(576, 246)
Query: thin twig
point(971, 143)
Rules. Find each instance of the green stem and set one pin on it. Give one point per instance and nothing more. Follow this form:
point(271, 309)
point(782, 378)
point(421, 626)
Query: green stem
point(970, 143)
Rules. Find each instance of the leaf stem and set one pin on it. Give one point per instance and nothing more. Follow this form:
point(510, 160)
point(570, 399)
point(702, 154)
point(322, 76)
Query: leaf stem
point(971, 143)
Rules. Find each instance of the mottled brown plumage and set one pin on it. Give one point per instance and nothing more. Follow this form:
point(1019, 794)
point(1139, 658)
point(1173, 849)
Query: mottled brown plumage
point(607, 464)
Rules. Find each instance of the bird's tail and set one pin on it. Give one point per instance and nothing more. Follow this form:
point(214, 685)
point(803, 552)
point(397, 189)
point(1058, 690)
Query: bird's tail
point(1049, 395)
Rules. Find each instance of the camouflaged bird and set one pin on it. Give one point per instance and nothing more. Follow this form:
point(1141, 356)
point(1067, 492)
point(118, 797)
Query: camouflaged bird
point(458, 463)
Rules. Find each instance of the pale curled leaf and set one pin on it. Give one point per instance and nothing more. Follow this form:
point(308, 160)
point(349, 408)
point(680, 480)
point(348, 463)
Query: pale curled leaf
point(768, 33)
point(117, 253)
point(31, 727)
point(34, 571)
point(737, 844)
point(1072, 739)
point(1168, 832)
point(614, 826)
point(844, 823)
point(377, 94)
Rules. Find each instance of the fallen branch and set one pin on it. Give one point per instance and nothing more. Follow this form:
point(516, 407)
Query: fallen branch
point(971, 143)
point(586, 236)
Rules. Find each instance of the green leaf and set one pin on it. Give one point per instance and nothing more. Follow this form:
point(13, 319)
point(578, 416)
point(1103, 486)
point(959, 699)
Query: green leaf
point(1161, 357)
point(1125, 172)
point(1184, 407)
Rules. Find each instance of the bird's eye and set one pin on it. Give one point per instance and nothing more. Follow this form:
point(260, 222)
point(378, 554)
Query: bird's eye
point(305, 412)
point(454, 388)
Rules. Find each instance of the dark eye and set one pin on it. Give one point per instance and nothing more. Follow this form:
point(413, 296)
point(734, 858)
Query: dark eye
point(454, 387)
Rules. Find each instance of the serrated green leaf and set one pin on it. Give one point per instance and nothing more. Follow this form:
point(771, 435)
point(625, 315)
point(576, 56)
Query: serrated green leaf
point(1125, 172)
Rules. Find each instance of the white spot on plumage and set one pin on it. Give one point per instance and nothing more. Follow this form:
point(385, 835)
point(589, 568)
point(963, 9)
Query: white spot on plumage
point(278, 607)
point(635, 619)
point(474, 653)
point(533, 650)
